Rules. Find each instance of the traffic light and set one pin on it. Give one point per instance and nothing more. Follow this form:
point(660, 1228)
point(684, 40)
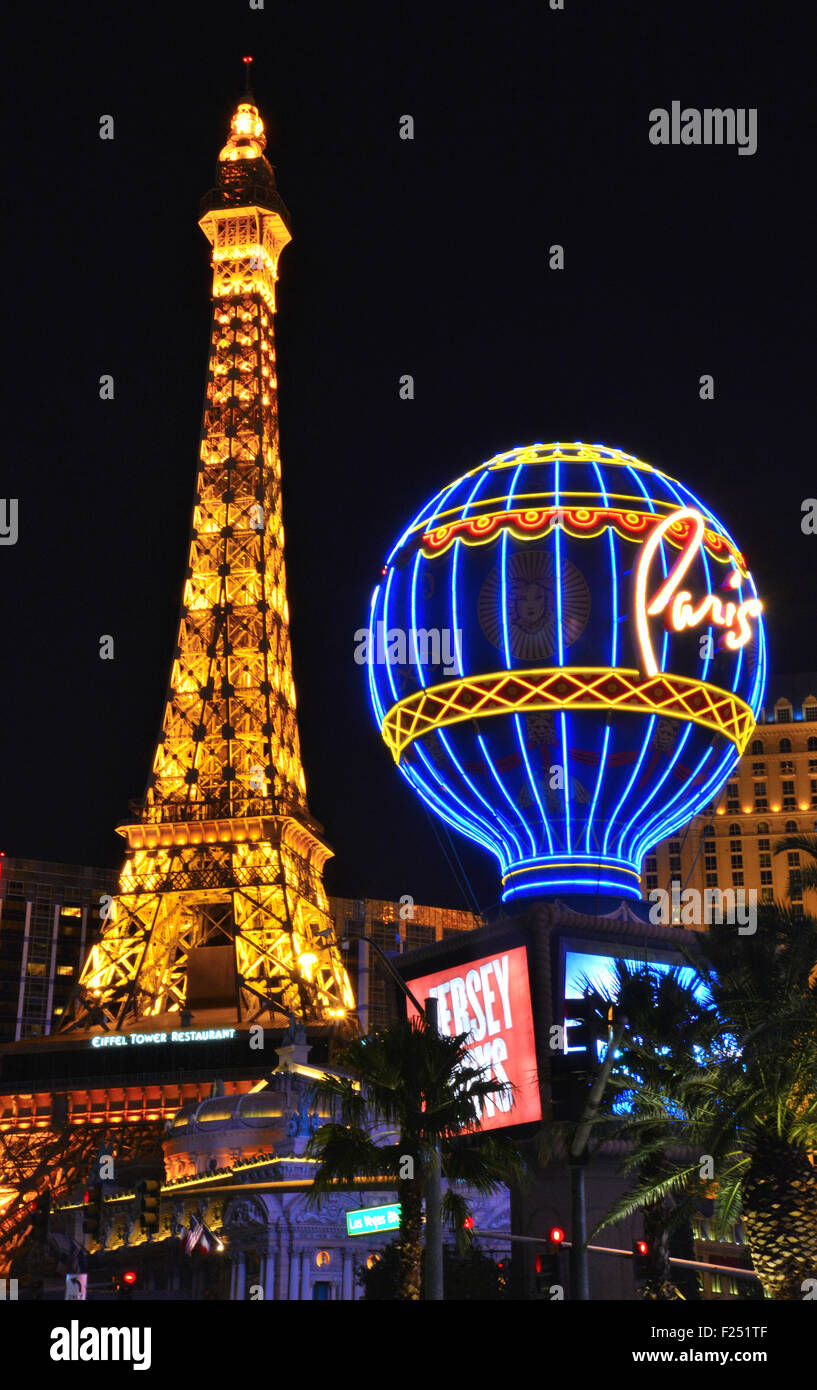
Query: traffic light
point(148, 1194)
point(641, 1259)
point(568, 1090)
point(40, 1215)
point(124, 1283)
point(585, 1028)
point(92, 1213)
point(547, 1264)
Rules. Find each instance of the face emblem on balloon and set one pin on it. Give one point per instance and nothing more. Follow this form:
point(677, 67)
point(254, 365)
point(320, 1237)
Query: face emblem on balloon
point(530, 606)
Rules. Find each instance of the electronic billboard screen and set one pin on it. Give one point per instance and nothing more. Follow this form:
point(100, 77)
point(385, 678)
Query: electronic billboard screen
point(489, 999)
point(585, 965)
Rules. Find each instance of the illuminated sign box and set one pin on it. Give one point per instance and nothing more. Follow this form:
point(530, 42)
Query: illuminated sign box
point(370, 1221)
point(176, 1036)
point(489, 999)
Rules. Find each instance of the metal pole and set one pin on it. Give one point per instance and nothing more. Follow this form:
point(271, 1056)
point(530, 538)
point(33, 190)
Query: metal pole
point(434, 1194)
point(579, 1275)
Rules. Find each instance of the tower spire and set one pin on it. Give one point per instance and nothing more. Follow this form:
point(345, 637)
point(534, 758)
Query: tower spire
point(225, 856)
point(247, 61)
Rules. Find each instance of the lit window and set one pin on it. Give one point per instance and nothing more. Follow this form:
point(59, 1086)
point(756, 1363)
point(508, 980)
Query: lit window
point(323, 1258)
point(71, 912)
point(372, 1261)
point(65, 969)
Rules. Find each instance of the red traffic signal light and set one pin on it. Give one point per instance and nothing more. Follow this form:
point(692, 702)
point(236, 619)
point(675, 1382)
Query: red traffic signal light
point(92, 1214)
point(547, 1264)
point(641, 1261)
point(129, 1277)
point(468, 1223)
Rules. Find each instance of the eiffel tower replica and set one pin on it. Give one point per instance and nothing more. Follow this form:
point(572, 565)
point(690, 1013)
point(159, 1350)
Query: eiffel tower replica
point(221, 915)
point(223, 868)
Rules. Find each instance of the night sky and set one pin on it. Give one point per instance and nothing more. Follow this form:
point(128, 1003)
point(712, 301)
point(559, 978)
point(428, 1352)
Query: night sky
point(427, 257)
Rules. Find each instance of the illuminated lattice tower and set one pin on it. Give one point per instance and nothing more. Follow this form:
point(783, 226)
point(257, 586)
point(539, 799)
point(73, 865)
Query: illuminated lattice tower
point(224, 852)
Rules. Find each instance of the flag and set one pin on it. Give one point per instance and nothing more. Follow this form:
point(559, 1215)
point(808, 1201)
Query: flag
point(199, 1236)
point(193, 1235)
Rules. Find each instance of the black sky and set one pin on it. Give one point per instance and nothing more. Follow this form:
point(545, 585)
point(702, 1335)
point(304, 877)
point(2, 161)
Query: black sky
point(426, 257)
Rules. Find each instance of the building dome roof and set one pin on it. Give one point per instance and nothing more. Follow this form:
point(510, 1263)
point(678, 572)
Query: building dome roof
point(254, 1110)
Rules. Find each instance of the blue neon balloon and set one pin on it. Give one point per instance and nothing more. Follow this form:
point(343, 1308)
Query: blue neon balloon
point(526, 690)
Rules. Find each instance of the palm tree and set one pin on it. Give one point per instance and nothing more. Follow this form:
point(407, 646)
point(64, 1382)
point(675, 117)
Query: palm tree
point(743, 1094)
point(806, 844)
point(658, 1006)
point(413, 1080)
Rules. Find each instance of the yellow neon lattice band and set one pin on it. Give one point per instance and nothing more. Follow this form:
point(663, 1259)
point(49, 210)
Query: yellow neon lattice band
point(570, 687)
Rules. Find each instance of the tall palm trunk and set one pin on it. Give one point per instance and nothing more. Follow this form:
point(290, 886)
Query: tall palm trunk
point(410, 1242)
point(780, 1216)
point(658, 1284)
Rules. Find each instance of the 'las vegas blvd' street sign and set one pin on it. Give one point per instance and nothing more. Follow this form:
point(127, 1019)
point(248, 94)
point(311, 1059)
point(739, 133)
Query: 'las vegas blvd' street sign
point(373, 1220)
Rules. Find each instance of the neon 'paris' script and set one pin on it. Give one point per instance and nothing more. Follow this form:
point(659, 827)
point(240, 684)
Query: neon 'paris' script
point(683, 613)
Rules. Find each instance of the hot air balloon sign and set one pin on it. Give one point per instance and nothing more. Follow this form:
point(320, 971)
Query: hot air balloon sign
point(566, 658)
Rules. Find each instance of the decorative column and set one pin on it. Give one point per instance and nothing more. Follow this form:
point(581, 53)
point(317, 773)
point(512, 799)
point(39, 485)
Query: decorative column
point(348, 1283)
point(268, 1275)
point(241, 1277)
point(294, 1257)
